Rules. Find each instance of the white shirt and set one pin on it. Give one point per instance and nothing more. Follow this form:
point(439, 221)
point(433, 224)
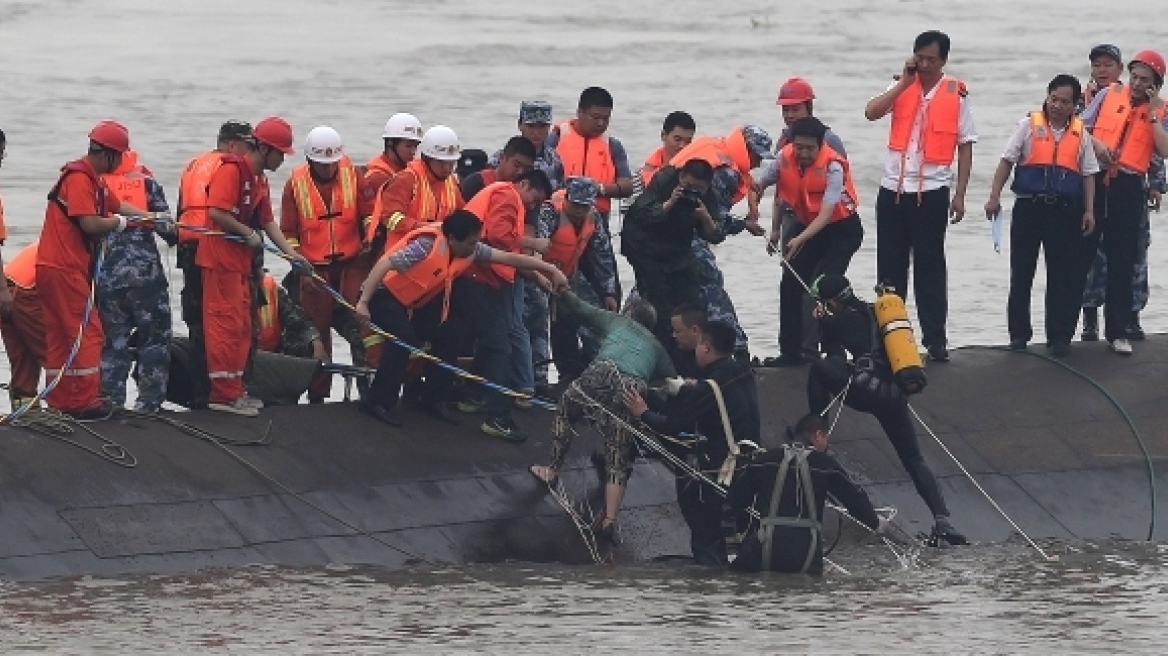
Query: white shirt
point(1018, 147)
point(931, 176)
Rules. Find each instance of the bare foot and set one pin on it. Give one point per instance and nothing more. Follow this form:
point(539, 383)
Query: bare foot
point(544, 473)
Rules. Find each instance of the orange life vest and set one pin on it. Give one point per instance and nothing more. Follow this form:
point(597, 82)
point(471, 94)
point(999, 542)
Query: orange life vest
point(21, 270)
point(938, 137)
point(192, 195)
point(1052, 166)
point(1126, 130)
point(568, 242)
point(327, 236)
point(427, 204)
point(129, 186)
point(271, 331)
point(653, 164)
point(803, 189)
point(434, 275)
point(381, 164)
point(586, 157)
point(730, 150)
point(481, 206)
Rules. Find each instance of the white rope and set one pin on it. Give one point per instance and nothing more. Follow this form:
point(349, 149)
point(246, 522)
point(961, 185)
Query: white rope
point(982, 489)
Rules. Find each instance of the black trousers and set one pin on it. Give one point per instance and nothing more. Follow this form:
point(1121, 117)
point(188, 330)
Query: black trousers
point(665, 286)
point(425, 325)
point(828, 378)
point(191, 305)
point(702, 509)
point(1119, 208)
point(567, 351)
point(476, 307)
point(1056, 229)
point(913, 226)
point(829, 252)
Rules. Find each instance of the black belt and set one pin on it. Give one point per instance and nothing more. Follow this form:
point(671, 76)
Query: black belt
point(1051, 199)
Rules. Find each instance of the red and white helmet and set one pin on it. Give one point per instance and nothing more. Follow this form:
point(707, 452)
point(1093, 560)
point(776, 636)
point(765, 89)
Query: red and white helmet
point(323, 145)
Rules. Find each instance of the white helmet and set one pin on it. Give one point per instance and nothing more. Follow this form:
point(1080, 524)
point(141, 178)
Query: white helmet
point(324, 145)
point(403, 126)
point(441, 143)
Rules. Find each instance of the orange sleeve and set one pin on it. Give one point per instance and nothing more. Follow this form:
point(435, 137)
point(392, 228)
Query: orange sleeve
point(366, 196)
point(289, 213)
point(223, 190)
point(263, 203)
point(501, 226)
point(397, 195)
point(79, 196)
point(373, 179)
point(3, 227)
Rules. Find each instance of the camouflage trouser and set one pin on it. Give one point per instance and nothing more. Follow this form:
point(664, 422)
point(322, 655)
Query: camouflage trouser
point(144, 310)
point(537, 320)
point(713, 294)
point(1095, 292)
point(601, 383)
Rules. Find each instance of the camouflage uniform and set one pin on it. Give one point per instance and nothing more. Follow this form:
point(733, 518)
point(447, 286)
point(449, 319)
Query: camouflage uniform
point(297, 333)
point(133, 297)
point(344, 321)
point(547, 159)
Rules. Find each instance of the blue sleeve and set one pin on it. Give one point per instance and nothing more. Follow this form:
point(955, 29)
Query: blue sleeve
point(620, 159)
point(547, 221)
point(553, 138)
point(598, 262)
point(832, 139)
point(725, 184)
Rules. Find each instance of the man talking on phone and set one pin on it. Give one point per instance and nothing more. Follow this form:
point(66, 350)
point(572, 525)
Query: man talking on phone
point(931, 122)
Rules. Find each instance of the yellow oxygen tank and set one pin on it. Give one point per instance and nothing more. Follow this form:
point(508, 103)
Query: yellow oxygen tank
point(900, 347)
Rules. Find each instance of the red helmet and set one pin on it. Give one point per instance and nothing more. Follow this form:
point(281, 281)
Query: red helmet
point(111, 135)
point(275, 132)
point(795, 91)
point(1152, 60)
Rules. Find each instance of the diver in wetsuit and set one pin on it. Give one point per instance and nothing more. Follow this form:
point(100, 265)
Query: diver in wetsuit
point(787, 537)
point(848, 326)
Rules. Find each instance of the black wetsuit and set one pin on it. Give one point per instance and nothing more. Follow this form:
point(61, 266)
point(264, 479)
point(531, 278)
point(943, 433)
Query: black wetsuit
point(754, 485)
point(873, 390)
point(697, 409)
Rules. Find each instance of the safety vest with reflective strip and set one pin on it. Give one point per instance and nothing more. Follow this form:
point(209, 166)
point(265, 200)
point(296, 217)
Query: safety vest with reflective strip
point(730, 151)
point(327, 236)
point(802, 190)
point(1125, 130)
point(1052, 166)
point(433, 275)
point(589, 157)
point(568, 242)
point(269, 317)
point(21, 270)
point(427, 204)
point(192, 195)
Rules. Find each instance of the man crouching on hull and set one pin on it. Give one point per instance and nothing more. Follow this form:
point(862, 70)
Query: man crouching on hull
point(848, 326)
point(776, 484)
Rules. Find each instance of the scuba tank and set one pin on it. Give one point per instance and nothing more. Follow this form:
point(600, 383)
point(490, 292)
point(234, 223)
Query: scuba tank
point(900, 347)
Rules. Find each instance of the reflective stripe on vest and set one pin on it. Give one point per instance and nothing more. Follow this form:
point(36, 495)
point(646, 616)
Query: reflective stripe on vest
point(1052, 165)
point(269, 317)
point(327, 236)
point(425, 205)
point(568, 242)
point(21, 270)
point(803, 190)
point(192, 196)
point(590, 158)
point(1125, 130)
point(939, 126)
point(435, 274)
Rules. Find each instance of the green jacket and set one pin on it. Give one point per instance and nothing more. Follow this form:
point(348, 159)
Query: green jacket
point(626, 343)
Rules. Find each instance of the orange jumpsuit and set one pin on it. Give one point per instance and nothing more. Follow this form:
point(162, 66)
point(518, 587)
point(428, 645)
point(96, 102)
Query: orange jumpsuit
point(63, 266)
point(226, 267)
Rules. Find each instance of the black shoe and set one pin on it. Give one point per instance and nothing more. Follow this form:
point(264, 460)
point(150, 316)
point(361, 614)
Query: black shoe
point(786, 360)
point(103, 410)
point(1017, 345)
point(439, 411)
point(1060, 349)
point(945, 535)
point(545, 391)
point(1135, 332)
point(378, 412)
point(939, 353)
point(1090, 325)
point(503, 428)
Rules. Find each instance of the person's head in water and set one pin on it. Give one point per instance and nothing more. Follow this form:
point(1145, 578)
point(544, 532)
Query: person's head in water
point(688, 322)
point(812, 431)
point(462, 230)
point(834, 292)
point(717, 342)
point(642, 312)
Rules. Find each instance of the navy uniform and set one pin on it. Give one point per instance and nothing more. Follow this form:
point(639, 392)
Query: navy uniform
point(538, 112)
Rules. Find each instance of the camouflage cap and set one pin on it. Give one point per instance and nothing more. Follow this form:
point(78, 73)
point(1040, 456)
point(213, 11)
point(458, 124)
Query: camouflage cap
point(757, 140)
point(581, 191)
point(235, 131)
point(535, 111)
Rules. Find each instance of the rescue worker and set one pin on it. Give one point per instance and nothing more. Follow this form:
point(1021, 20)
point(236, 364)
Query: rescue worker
point(931, 121)
point(849, 327)
point(789, 538)
point(1127, 129)
point(797, 99)
point(426, 191)
point(688, 322)
point(22, 326)
point(321, 217)
point(578, 247)
point(585, 150)
point(493, 299)
point(733, 157)
point(400, 139)
point(192, 213)
point(80, 210)
point(517, 158)
point(659, 233)
point(284, 327)
point(722, 406)
point(408, 294)
point(535, 123)
point(677, 132)
point(1055, 189)
point(815, 182)
point(239, 202)
point(629, 358)
point(133, 296)
point(1106, 69)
